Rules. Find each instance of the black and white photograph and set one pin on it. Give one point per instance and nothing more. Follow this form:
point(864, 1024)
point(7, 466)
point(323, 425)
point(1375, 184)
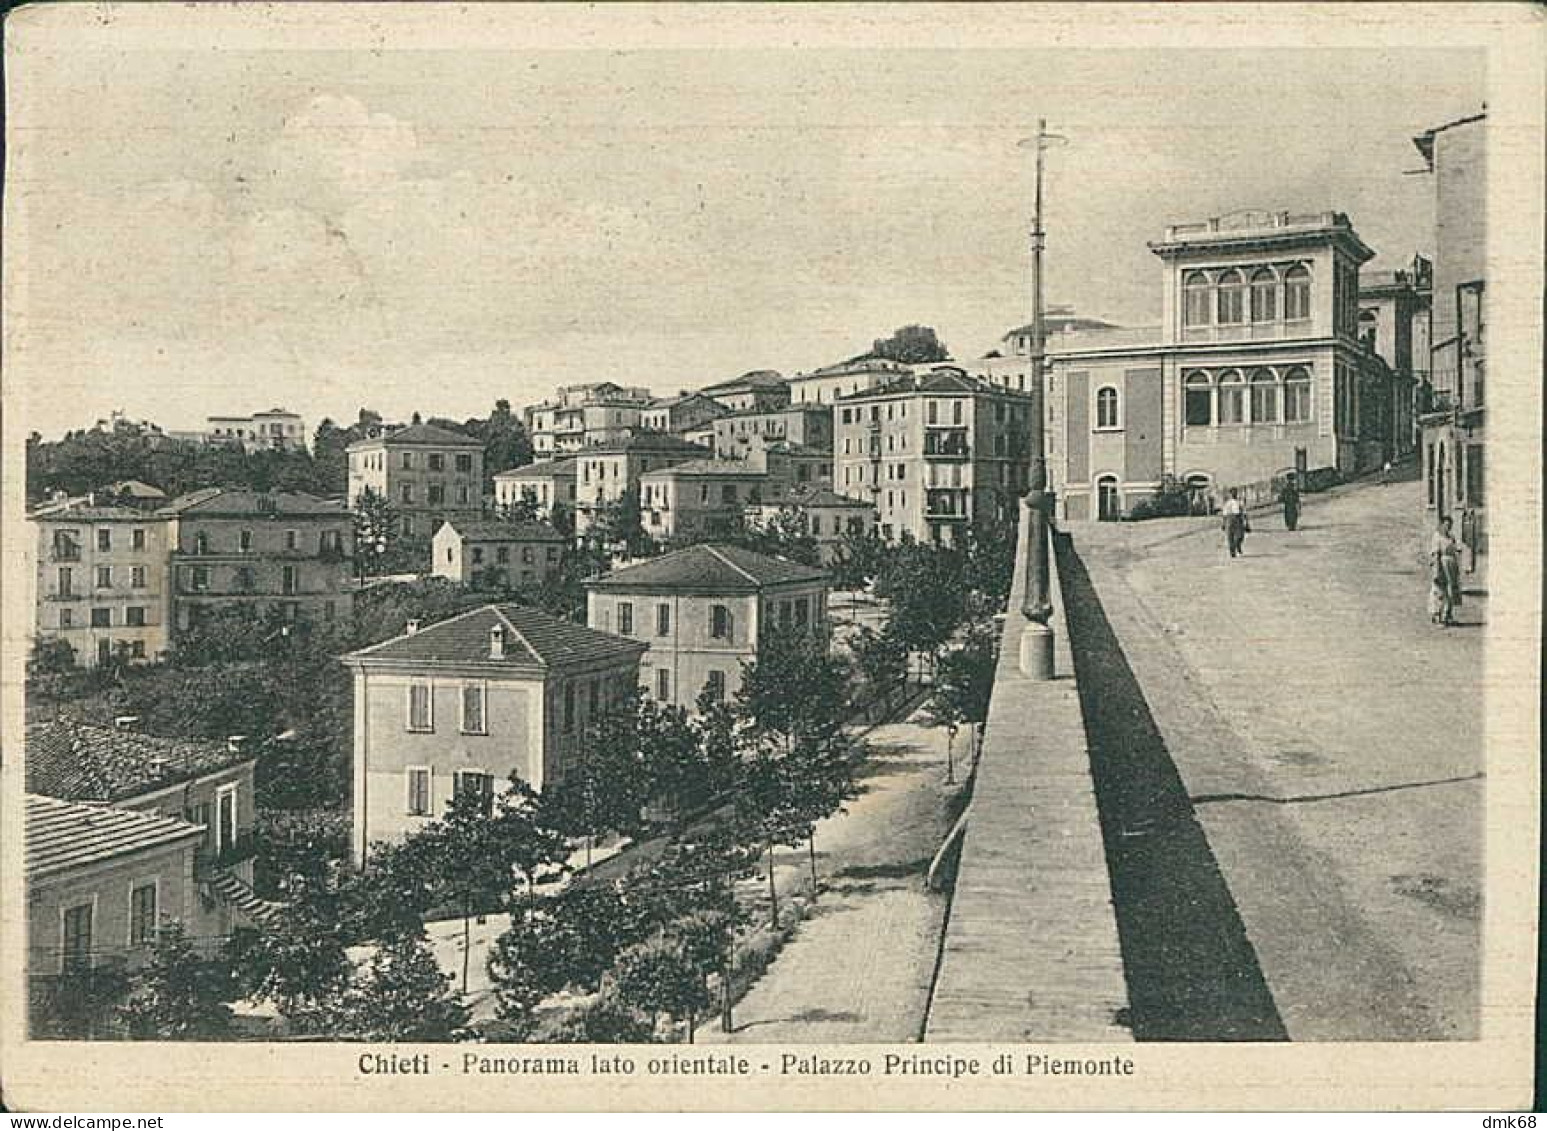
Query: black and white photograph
point(967, 556)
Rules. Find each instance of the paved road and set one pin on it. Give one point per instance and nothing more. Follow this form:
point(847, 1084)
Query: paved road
point(859, 967)
point(1330, 740)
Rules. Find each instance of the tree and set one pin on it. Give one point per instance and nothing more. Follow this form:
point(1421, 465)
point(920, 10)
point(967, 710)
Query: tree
point(376, 530)
point(882, 660)
point(531, 960)
point(859, 559)
point(657, 976)
point(607, 790)
point(618, 523)
point(401, 995)
point(505, 442)
point(179, 996)
point(794, 689)
point(297, 961)
point(50, 656)
point(603, 1019)
point(785, 534)
point(911, 345)
point(964, 683)
point(927, 594)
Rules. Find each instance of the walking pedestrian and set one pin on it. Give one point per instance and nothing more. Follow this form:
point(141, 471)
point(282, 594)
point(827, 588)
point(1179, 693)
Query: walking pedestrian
point(1290, 497)
point(1385, 473)
point(1444, 575)
point(1233, 514)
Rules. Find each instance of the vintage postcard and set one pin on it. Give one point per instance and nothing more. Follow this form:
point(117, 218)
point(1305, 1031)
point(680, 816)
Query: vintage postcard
point(771, 556)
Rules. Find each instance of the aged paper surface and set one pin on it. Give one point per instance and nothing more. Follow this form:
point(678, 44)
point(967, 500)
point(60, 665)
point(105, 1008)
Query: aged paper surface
point(364, 151)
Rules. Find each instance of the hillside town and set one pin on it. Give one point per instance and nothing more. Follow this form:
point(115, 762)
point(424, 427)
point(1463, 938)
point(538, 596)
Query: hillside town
point(566, 723)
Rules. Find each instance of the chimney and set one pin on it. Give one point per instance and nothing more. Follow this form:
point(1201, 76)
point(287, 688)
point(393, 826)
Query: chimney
point(236, 742)
point(497, 642)
point(126, 722)
point(412, 626)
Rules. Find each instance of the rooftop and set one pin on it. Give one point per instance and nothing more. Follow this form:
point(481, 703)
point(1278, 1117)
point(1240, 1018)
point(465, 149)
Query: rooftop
point(496, 531)
point(65, 834)
point(80, 762)
point(710, 568)
point(709, 468)
point(1254, 227)
point(945, 381)
point(754, 379)
point(815, 497)
point(533, 638)
point(428, 434)
point(564, 466)
point(645, 442)
point(86, 512)
point(211, 501)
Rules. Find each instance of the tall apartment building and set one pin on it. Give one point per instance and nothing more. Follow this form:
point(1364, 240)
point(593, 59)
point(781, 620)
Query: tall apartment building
point(741, 433)
point(933, 452)
point(1455, 427)
point(1256, 369)
point(262, 551)
point(426, 472)
point(582, 416)
point(102, 582)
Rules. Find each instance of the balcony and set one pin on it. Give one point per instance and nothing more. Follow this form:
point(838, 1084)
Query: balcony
point(65, 553)
point(239, 851)
point(948, 505)
point(946, 443)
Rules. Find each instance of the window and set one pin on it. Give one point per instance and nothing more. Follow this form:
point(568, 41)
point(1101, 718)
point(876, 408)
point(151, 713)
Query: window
point(292, 540)
point(104, 539)
point(225, 817)
point(201, 543)
point(932, 413)
point(663, 619)
point(1109, 507)
point(1232, 398)
point(418, 791)
point(436, 494)
point(528, 556)
point(421, 710)
point(198, 579)
point(802, 611)
point(66, 579)
point(288, 580)
point(66, 618)
point(465, 464)
point(134, 617)
point(406, 492)
point(662, 685)
point(1264, 295)
point(478, 784)
point(137, 539)
point(137, 577)
point(1264, 397)
point(101, 618)
point(786, 614)
point(1199, 398)
point(719, 622)
point(244, 541)
point(714, 687)
point(1106, 408)
point(245, 579)
point(463, 493)
point(1195, 299)
point(569, 708)
point(1297, 396)
point(437, 461)
point(728, 493)
point(104, 577)
point(473, 721)
point(75, 941)
point(553, 553)
point(408, 525)
point(626, 618)
point(1297, 293)
point(407, 462)
point(1232, 299)
point(142, 913)
point(477, 555)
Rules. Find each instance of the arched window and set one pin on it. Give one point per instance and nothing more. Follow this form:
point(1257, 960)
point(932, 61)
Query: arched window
point(1199, 398)
point(1264, 295)
point(1232, 299)
point(1195, 299)
point(1297, 293)
point(1106, 407)
point(1264, 397)
point(1232, 397)
point(1109, 507)
point(1297, 396)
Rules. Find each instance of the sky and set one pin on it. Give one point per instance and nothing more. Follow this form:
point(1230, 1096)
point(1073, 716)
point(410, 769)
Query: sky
point(223, 231)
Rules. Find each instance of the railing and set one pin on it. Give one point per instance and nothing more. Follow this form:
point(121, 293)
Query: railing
point(242, 849)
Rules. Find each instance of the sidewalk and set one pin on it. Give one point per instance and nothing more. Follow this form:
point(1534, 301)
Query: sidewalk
point(1330, 741)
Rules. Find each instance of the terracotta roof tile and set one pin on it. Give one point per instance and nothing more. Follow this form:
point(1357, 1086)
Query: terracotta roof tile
point(532, 638)
point(79, 762)
point(62, 835)
point(712, 568)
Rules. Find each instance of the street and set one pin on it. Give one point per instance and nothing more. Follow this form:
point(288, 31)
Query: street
point(859, 965)
point(1329, 739)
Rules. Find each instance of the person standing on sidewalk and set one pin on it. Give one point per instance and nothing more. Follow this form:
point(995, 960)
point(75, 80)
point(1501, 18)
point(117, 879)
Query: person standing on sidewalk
point(1290, 497)
point(1444, 575)
point(1233, 514)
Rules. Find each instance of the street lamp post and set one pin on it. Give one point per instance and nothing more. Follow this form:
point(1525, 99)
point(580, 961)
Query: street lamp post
point(1036, 655)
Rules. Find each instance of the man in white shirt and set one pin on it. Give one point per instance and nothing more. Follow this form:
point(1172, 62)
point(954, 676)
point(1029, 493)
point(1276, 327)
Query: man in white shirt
point(1234, 515)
